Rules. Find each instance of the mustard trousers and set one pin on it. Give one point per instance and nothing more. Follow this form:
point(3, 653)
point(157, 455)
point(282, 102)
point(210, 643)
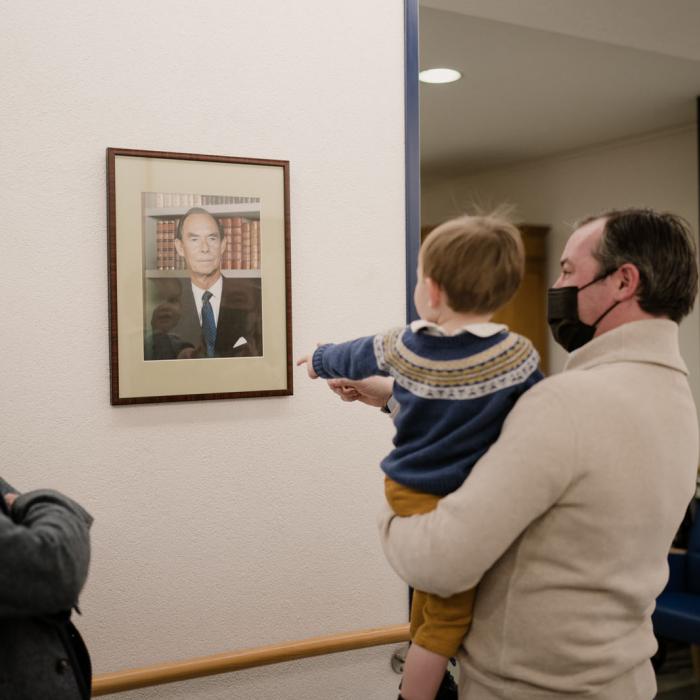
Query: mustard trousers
point(437, 624)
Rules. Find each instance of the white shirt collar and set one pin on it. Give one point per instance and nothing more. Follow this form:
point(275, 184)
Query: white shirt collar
point(215, 301)
point(482, 330)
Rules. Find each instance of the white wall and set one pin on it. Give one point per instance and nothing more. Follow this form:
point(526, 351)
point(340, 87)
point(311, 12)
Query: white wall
point(658, 171)
point(221, 524)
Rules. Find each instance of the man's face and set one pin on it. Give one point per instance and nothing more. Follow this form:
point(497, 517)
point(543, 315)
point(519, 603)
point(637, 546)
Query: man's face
point(579, 267)
point(201, 245)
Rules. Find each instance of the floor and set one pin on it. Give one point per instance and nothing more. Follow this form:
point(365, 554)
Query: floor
point(675, 678)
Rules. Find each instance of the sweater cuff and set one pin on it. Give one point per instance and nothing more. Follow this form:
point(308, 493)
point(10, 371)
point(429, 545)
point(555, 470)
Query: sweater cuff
point(317, 362)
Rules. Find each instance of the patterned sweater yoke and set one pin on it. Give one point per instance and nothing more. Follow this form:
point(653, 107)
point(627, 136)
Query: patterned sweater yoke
point(430, 374)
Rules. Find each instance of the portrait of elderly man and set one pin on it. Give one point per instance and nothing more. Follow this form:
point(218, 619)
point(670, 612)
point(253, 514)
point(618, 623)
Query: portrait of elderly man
point(207, 315)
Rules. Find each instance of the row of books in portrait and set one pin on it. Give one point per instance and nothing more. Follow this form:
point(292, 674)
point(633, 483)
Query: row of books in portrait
point(242, 244)
point(162, 200)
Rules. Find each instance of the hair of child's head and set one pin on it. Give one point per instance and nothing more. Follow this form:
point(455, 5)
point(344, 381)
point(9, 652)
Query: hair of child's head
point(479, 261)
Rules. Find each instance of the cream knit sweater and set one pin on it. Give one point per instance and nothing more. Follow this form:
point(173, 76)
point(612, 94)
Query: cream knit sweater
point(565, 524)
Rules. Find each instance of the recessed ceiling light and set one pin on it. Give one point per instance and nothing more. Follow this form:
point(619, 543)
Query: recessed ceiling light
point(439, 75)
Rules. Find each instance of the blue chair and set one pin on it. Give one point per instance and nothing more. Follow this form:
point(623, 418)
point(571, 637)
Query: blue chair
point(677, 614)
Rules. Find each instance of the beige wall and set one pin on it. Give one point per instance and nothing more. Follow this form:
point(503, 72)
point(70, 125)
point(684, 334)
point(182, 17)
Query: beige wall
point(221, 524)
point(658, 170)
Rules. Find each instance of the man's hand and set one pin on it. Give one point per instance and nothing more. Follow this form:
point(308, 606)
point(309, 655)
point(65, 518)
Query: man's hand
point(374, 391)
point(308, 361)
point(10, 498)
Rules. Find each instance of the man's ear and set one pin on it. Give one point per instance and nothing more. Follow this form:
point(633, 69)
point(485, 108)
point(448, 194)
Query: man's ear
point(178, 247)
point(626, 279)
point(435, 292)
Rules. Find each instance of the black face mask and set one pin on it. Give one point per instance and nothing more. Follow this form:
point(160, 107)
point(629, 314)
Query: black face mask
point(562, 315)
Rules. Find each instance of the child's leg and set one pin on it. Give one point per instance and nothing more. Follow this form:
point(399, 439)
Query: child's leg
point(422, 675)
point(437, 625)
point(444, 623)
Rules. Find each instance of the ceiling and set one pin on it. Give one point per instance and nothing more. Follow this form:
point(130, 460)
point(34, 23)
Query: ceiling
point(542, 77)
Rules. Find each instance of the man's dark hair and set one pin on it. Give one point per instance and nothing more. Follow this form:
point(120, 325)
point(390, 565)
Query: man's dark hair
point(662, 247)
point(197, 210)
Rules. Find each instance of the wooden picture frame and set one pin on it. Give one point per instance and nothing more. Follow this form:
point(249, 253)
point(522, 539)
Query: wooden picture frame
point(179, 225)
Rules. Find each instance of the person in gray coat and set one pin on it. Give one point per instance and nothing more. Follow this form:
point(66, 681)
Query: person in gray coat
point(44, 557)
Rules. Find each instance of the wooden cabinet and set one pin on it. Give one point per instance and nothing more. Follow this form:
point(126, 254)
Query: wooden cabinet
point(526, 313)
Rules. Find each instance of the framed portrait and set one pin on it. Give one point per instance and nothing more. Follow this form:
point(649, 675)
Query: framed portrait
point(199, 277)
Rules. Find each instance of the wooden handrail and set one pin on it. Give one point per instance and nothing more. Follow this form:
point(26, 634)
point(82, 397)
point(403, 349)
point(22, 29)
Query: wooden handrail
point(121, 681)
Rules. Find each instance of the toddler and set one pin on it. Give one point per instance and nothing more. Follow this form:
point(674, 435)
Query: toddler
point(456, 377)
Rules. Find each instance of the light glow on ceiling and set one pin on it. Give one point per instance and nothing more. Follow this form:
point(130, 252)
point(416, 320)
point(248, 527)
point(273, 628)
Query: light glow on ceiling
point(439, 75)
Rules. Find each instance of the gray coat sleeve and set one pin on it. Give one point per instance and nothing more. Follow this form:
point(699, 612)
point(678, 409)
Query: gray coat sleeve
point(44, 554)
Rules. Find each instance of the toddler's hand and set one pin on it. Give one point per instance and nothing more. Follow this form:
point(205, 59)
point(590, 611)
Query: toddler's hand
point(308, 361)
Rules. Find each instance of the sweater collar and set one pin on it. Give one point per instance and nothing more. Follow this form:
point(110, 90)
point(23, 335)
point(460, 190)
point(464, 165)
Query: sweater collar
point(482, 330)
point(653, 341)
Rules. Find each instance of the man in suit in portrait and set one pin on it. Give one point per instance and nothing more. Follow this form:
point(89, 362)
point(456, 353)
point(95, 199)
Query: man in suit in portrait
point(218, 316)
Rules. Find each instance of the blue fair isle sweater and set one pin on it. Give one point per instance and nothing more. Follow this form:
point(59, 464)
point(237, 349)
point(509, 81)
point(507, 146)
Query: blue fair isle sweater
point(454, 393)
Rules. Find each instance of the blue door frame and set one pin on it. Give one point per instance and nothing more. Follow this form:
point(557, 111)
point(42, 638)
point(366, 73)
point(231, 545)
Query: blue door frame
point(412, 126)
